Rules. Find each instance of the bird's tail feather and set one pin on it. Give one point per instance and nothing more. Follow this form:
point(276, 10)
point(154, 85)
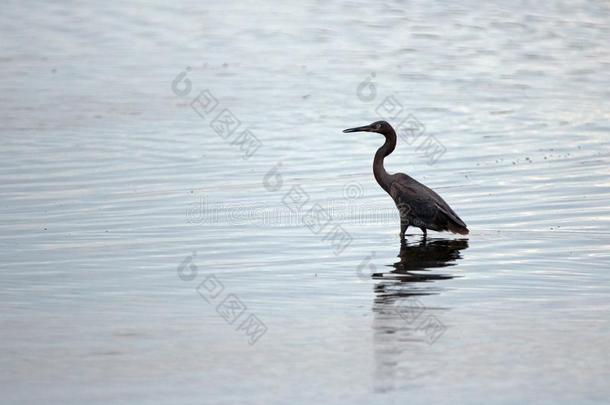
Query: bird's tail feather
point(455, 228)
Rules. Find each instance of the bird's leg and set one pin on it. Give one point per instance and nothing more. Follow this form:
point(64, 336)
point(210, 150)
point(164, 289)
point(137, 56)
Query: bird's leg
point(403, 228)
point(425, 232)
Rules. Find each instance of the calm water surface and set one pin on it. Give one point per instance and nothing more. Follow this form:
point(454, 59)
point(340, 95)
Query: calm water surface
point(127, 220)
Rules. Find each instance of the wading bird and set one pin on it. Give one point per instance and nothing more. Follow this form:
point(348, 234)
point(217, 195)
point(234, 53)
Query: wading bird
point(417, 204)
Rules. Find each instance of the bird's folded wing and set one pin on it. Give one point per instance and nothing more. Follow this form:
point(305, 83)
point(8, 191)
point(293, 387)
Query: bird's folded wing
point(422, 202)
point(417, 204)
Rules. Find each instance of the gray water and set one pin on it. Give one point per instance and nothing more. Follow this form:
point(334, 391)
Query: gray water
point(129, 223)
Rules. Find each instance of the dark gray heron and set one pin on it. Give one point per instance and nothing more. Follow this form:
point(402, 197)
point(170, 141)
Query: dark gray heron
point(417, 204)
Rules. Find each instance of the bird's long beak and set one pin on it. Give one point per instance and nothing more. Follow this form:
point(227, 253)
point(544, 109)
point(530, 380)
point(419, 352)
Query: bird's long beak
point(366, 128)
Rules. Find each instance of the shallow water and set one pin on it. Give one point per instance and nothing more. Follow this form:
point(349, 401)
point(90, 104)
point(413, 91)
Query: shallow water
point(121, 204)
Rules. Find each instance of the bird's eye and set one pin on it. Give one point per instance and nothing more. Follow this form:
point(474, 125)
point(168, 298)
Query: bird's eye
point(377, 126)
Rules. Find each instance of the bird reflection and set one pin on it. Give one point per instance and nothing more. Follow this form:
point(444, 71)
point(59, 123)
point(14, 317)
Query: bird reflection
point(416, 265)
point(402, 314)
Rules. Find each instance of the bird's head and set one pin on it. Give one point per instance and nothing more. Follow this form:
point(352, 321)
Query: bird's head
point(382, 127)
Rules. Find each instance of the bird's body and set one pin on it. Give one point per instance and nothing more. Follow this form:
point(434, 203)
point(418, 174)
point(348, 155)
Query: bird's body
point(417, 204)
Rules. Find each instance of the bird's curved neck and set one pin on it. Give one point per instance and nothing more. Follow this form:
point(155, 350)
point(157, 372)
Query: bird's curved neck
point(383, 177)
